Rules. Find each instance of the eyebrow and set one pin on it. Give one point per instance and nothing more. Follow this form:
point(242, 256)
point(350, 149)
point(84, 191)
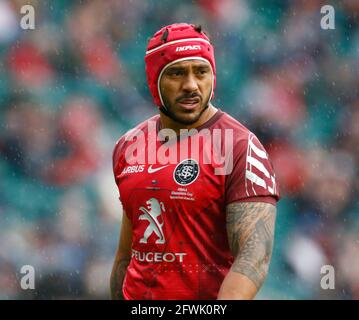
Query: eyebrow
point(202, 65)
point(173, 68)
point(179, 68)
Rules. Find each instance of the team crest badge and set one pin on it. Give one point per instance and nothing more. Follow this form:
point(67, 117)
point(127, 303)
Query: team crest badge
point(186, 172)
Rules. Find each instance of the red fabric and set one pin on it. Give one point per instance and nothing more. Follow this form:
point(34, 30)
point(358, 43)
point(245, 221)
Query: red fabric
point(193, 255)
point(251, 160)
point(158, 59)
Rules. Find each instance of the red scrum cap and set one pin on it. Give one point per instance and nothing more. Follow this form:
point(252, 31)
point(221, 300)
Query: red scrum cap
point(174, 43)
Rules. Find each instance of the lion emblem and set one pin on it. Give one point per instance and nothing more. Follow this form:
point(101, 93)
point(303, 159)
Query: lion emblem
point(151, 214)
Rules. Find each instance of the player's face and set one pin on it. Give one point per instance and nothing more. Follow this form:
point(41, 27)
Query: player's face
point(186, 87)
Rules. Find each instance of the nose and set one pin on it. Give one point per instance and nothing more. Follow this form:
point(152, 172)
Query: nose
point(189, 83)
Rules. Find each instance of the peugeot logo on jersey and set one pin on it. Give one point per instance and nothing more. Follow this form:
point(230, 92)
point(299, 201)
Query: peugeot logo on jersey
point(186, 172)
point(151, 214)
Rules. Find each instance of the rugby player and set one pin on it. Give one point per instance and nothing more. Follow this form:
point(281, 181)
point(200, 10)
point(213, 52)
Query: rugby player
point(191, 229)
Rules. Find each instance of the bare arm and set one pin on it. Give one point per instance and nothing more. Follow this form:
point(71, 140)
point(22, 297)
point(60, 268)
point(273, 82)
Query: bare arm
point(122, 259)
point(250, 229)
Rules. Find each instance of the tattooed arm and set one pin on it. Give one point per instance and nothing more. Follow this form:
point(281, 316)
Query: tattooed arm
point(250, 229)
point(122, 259)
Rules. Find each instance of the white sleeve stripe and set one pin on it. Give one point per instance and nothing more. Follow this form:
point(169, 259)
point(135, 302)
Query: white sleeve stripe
point(245, 180)
point(259, 165)
point(255, 179)
point(250, 168)
point(260, 153)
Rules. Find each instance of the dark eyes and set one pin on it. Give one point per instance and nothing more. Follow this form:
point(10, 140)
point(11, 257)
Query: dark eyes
point(203, 71)
point(177, 73)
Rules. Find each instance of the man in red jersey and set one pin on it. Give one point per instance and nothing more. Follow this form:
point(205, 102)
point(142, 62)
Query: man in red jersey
point(196, 224)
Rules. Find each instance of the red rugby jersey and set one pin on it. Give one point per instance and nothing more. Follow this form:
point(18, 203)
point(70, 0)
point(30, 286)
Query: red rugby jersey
point(177, 209)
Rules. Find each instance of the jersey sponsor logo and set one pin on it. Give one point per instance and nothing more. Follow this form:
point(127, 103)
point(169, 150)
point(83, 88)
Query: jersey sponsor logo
point(186, 172)
point(133, 169)
point(189, 47)
point(157, 257)
point(257, 168)
point(153, 170)
point(152, 213)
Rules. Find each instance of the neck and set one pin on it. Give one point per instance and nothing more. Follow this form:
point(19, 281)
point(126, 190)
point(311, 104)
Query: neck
point(168, 123)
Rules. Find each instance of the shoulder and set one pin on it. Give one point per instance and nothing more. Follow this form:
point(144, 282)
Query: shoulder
point(241, 135)
point(227, 122)
point(122, 142)
point(143, 127)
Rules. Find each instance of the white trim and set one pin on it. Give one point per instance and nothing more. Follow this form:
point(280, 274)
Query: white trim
point(245, 180)
point(260, 153)
point(176, 41)
point(179, 60)
point(250, 168)
point(259, 165)
point(255, 179)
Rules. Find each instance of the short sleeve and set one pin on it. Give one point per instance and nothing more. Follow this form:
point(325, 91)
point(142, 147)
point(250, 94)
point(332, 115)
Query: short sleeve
point(117, 156)
point(252, 178)
point(118, 164)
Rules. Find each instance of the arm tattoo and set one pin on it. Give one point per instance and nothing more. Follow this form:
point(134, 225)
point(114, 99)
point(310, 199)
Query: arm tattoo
point(250, 229)
point(117, 277)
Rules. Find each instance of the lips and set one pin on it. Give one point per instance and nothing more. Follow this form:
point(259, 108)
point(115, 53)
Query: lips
point(189, 103)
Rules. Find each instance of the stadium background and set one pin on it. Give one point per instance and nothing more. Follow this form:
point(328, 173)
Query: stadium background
point(72, 86)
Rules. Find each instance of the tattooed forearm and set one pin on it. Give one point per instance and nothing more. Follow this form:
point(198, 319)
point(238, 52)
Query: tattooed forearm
point(117, 277)
point(250, 229)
